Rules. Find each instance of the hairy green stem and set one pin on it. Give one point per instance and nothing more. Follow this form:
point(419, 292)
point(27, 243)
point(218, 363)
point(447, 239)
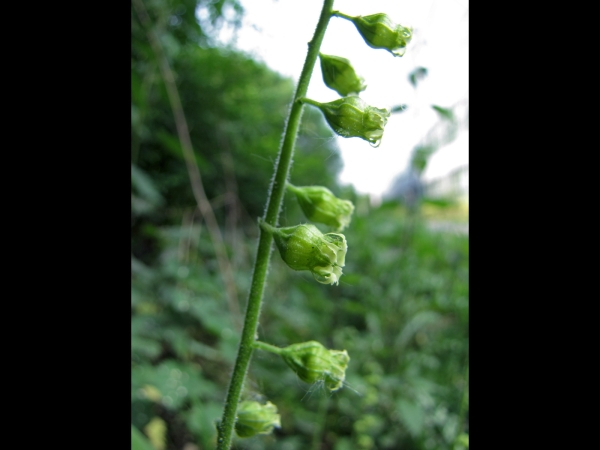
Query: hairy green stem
point(290, 187)
point(267, 347)
point(309, 101)
point(263, 253)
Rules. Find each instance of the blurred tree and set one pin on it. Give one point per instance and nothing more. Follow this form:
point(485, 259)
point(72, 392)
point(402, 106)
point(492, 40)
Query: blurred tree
point(235, 108)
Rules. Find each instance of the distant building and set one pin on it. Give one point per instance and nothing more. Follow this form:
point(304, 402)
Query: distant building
point(407, 187)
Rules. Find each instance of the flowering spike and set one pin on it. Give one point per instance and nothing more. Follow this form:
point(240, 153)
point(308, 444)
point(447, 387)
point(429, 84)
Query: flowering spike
point(312, 362)
point(254, 418)
point(352, 117)
point(379, 31)
point(320, 205)
point(339, 75)
point(304, 247)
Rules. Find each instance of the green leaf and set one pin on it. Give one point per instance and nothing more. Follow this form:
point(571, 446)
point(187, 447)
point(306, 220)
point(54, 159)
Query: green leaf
point(145, 186)
point(417, 75)
point(177, 382)
point(445, 113)
point(156, 430)
point(399, 108)
point(139, 441)
point(419, 321)
point(412, 415)
point(201, 420)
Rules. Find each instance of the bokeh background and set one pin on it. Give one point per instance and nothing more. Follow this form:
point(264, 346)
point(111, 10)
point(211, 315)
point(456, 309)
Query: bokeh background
point(207, 113)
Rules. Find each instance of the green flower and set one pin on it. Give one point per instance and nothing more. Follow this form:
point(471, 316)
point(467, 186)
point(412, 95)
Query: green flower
point(304, 247)
point(379, 31)
point(312, 362)
point(352, 117)
point(254, 418)
point(320, 205)
point(339, 75)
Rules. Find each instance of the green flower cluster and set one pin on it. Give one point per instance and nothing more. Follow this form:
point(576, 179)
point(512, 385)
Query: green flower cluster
point(304, 247)
point(254, 418)
point(339, 75)
point(353, 117)
point(379, 31)
point(320, 205)
point(350, 116)
point(312, 362)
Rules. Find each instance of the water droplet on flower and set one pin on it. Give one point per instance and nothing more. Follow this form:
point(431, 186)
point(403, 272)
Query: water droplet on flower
point(375, 144)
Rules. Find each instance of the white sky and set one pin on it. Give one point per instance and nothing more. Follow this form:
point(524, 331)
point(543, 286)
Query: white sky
point(277, 32)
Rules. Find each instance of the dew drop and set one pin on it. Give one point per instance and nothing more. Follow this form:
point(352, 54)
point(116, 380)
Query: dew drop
point(375, 144)
point(399, 51)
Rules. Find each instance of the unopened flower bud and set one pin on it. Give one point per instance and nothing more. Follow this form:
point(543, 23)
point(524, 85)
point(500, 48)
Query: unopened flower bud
point(304, 247)
point(339, 75)
point(320, 205)
point(352, 117)
point(254, 418)
point(379, 31)
point(312, 362)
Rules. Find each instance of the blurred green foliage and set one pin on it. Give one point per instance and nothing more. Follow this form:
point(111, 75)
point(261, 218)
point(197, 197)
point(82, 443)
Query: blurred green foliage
point(401, 309)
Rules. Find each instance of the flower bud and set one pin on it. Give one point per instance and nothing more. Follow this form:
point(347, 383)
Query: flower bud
point(352, 117)
point(304, 247)
point(320, 205)
point(312, 362)
point(339, 75)
point(379, 31)
point(254, 418)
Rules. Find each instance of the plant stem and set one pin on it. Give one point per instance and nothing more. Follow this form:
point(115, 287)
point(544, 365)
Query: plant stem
point(290, 187)
point(263, 253)
point(267, 347)
point(264, 226)
point(342, 15)
point(310, 102)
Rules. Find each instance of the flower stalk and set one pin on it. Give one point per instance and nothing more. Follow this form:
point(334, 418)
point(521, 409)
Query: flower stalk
point(304, 247)
point(275, 198)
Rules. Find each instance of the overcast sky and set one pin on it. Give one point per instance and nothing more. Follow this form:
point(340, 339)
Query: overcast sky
point(277, 32)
